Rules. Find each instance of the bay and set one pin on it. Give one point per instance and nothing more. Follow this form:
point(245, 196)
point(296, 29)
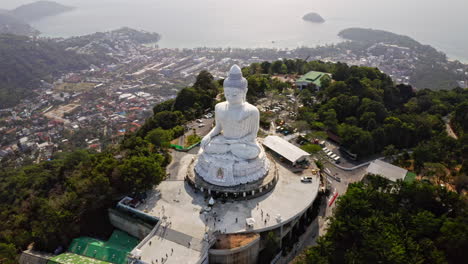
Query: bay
point(264, 23)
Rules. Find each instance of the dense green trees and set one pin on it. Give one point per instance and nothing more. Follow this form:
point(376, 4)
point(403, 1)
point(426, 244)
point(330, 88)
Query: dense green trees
point(460, 118)
point(193, 101)
point(363, 104)
point(53, 202)
point(381, 222)
point(368, 113)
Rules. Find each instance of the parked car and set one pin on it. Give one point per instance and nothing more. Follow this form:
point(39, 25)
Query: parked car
point(306, 179)
point(337, 159)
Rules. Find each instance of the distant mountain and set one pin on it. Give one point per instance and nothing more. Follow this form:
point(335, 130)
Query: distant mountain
point(24, 61)
point(38, 10)
point(12, 25)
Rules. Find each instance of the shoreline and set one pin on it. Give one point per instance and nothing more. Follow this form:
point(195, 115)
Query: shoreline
point(450, 57)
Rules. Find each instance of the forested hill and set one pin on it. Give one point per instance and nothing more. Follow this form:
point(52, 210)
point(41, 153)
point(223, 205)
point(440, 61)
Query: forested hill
point(381, 222)
point(375, 36)
point(38, 10)
point(12, 25)
point(431, 69)
point(25, 61)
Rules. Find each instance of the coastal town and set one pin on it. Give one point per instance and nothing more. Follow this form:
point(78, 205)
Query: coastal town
point(93, 108)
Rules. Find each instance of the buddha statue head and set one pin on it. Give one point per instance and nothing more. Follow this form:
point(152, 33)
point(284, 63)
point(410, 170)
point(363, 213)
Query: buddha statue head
point(235, 86)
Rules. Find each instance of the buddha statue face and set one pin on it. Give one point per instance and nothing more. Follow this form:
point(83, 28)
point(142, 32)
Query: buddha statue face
point(235, 95)
point(235, 86)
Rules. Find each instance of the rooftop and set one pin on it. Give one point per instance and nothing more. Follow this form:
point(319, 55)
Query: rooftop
point(387, 170)
point(284, 148)
point(312, 77)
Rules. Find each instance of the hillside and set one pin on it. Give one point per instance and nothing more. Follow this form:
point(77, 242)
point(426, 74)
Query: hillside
point(26, 61)
point(39, 10)
point(12, 25)
point(112, 42)
point(375, 36)
point(431, 69)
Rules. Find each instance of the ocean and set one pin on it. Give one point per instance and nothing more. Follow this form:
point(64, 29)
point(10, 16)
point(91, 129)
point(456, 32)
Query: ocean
point(264, 23)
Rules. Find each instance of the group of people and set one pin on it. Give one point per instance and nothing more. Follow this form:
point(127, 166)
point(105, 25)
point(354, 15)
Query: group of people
point(163, 260)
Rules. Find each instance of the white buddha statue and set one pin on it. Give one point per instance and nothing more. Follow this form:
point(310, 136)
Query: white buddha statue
point(230, 154)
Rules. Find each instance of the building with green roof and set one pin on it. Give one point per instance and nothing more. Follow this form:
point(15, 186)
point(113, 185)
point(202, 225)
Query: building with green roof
point(312, 77)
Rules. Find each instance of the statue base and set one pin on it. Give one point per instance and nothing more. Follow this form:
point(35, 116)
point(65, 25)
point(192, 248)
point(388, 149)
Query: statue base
point(238, 192)
point(229, 170)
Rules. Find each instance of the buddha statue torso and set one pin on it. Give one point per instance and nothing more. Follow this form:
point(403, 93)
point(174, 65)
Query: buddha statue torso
point(238, 122)
point(231, 146)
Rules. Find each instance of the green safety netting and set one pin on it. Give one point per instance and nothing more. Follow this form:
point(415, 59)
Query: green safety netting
point(114, 250)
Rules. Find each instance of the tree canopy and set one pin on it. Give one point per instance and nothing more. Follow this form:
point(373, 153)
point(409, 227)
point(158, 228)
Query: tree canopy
point(377, 221)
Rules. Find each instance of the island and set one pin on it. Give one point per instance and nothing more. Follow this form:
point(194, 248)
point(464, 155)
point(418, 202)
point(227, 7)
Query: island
point(313, 17)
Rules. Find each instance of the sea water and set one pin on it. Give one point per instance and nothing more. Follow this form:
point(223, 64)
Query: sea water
point(264, 23)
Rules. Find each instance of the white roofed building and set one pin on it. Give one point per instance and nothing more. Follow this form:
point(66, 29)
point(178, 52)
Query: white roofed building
point(386, 170)
point(285, 149)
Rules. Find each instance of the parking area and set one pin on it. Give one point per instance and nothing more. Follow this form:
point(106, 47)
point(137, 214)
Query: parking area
point(202, 126)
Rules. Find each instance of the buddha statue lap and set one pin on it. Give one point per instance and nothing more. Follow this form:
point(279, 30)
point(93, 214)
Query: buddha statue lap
point(230, 154)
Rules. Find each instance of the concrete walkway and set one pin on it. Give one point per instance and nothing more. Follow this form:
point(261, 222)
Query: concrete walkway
point(357, 166)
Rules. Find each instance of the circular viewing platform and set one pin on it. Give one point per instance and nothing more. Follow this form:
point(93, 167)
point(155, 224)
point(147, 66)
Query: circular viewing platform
point(239, 192)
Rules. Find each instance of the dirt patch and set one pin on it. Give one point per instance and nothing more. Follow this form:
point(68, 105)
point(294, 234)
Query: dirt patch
point(231, 241)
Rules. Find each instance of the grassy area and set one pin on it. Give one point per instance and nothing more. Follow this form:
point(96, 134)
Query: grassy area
point(311, 148)
point(192, 139)
point(70, 258)
point(410, 177)
point(261, 134)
